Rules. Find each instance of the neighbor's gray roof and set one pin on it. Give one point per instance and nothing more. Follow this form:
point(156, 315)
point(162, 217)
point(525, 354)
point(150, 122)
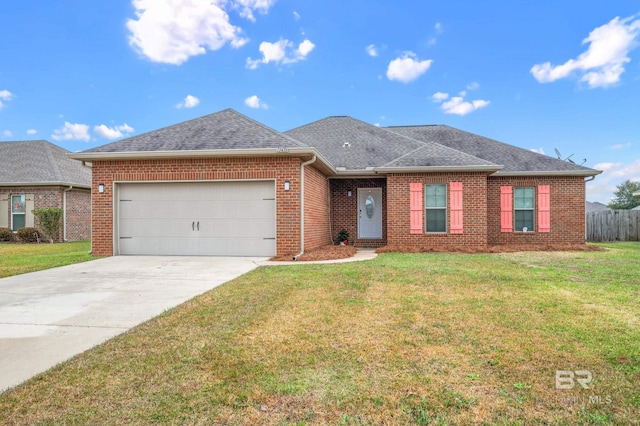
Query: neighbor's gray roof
point(40, 163)
point(356, 145)
point(595, 206)
point(226, 129)
point(514, 159)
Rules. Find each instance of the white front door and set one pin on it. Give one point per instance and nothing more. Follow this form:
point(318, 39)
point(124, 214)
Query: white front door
point(370, 213)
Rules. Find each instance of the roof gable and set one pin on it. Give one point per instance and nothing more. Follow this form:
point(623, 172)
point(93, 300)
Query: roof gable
point(514, 159)
point(356, 145)
point(227, 129)
point(40, 162)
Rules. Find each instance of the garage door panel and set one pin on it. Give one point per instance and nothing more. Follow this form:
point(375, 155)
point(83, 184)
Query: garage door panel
point(203, 218)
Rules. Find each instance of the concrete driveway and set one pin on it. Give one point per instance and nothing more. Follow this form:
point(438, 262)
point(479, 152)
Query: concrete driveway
point(49, 316)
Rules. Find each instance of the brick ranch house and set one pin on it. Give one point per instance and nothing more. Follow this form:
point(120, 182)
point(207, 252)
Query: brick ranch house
point(224, 184)
point(39, 174)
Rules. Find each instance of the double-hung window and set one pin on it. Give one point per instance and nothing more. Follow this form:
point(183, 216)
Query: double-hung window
point(524, 208)
point(18, 209)
point(436, 208)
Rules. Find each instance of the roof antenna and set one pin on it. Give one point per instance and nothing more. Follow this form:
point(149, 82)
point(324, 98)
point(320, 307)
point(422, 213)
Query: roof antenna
point(584, 160)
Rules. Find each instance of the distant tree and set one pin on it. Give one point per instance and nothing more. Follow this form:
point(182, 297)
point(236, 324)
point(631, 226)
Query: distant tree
point(624, 198)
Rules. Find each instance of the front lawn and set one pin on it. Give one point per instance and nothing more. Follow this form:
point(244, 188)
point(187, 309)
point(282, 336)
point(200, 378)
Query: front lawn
point(402, 339)
point(21, 258)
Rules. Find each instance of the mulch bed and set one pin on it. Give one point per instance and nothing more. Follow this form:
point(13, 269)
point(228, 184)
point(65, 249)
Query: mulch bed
point(329, 252)
point(491, 249)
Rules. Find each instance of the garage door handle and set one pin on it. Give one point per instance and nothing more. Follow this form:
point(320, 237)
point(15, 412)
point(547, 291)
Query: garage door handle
point(193, 226)
point(198, 226)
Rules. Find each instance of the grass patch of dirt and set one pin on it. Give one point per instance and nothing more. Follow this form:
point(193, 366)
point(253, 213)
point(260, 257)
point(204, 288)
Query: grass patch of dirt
point(328, 252)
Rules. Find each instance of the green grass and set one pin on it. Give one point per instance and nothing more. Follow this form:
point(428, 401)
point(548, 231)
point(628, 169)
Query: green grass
point(404, 339)
point(18, 259)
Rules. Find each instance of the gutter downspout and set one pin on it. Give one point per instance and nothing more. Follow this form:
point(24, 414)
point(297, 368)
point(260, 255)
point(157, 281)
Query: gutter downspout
point(64, 212)
point(302, 206)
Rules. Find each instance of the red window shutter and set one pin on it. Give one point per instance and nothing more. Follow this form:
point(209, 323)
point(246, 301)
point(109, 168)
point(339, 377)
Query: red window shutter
point(416, 208)
point(544, 208)
point(455, 207)
point(506, 209)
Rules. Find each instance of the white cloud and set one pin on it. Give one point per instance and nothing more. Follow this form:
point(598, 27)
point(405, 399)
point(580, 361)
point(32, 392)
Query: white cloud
point(188, 102)
point(473, 85)
point(247, 7)
point(7, 133)
point(296, 15)
point(255, 102)
point(112, 132)
point(72, 131)
point(602, 63)
point(439, 96)
point(438, 27)
point(281, 52)
point(603, 186)
point(171, 31)
point(371, 50)
point(457, 105)
point(5, 95)
point(621, 145)
point(407, 68)
point(538, 150)
point(32, 131)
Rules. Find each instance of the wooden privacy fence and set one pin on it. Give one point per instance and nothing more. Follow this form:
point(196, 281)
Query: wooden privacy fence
point(613, 225)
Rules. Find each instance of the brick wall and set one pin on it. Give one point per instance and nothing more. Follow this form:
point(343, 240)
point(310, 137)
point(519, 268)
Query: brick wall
point(78, 210)
point(474, 199)
point(78, 215)
point(199, 169)
point(344, 209)
point(316, 209)
point(567, 211)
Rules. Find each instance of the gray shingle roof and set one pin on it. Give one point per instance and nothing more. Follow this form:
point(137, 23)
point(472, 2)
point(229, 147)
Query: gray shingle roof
point(513, 158)
point(226, 129)
point(40, 162)
point(356, 145)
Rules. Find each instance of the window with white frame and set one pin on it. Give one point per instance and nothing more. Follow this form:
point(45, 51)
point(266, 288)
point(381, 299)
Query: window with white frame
point(18, 209)
point(435, 208)
point(524, 208)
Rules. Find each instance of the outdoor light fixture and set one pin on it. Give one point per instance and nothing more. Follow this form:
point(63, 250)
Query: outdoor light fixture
point(101, 188)
point(287, 185)
point(349, 193)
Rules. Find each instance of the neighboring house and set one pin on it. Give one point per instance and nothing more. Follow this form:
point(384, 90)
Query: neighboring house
point(224, 184)
point(595, 207)
point(39, 174)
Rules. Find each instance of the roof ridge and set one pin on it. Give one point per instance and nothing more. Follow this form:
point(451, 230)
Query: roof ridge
point(264, 126)
point(434, 143)
point(52, 160)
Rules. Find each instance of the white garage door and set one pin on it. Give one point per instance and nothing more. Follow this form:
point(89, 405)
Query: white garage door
point(200, 218)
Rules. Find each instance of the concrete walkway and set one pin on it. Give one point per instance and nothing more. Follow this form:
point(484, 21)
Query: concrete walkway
point(49, 316)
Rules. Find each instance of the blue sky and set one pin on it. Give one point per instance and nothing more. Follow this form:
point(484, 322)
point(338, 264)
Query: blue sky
point(541, 75)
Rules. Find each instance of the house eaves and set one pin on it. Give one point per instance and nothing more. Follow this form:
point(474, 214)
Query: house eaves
point(440, 169)
point(305, 153)
point(585, 173)
point(67, 184)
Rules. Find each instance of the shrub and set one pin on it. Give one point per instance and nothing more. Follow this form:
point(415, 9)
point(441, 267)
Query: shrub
point(343, 235)
point(6, 234)
point(50, 221)
point(29, 235)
